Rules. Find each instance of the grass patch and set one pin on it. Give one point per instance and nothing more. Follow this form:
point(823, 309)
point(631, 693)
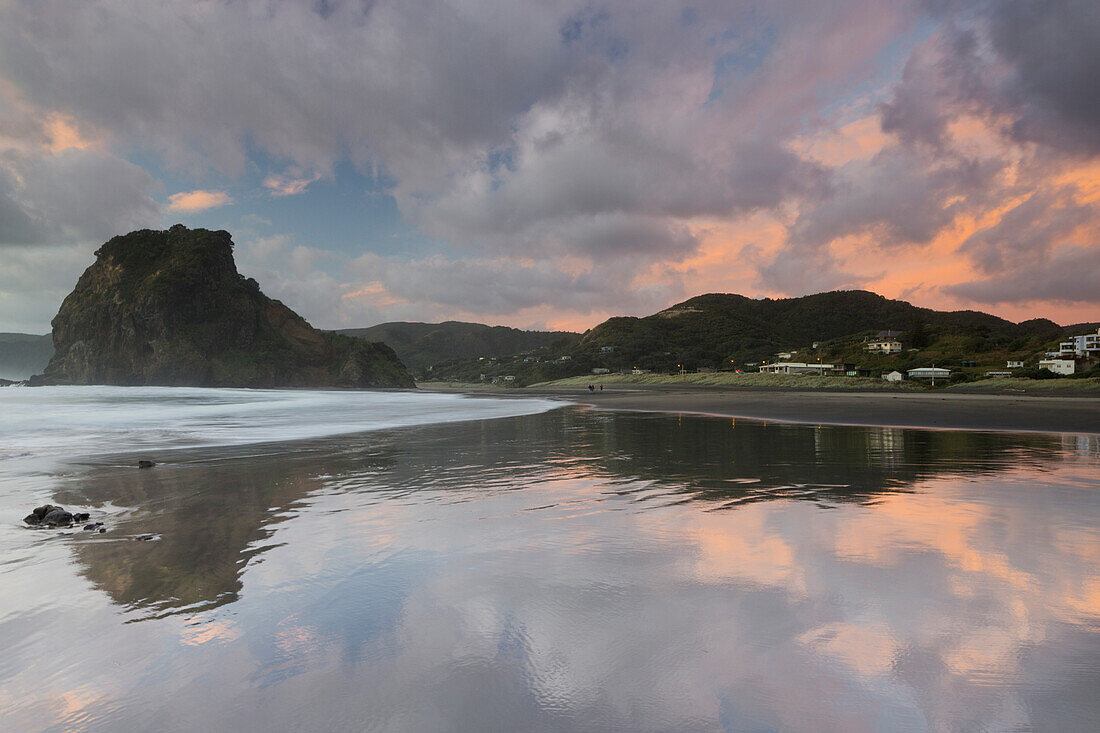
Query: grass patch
point(752, 380)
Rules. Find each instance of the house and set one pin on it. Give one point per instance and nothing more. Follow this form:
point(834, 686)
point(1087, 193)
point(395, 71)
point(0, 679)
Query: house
point(1059, 366)
point(785, 355)
point(894, 376)
point(601, 370)
point(932, 373)
point(998, 374)
point(565, 358)
point(607, 349)
point(640, 371)
point(884, 346)
point(1084, 345)
point(794, 367)
point(1012, 364)
point(509, 378)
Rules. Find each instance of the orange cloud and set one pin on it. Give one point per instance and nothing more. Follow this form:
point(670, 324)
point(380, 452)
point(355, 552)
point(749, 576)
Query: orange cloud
point(198, 200)
point(288, 186)
point(64, 135)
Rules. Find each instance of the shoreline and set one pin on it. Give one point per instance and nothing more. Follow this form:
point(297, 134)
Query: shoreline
point(922, 410)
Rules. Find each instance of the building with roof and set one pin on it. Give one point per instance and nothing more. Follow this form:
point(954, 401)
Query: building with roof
point(796, 367)
point(1059, 366)
point(883, 346)
point(932, 373)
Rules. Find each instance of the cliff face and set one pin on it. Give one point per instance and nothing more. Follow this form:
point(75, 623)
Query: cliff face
point(169, 308)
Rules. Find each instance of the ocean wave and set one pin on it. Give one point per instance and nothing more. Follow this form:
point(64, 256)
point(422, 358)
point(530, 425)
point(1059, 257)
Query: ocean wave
point(79, 421)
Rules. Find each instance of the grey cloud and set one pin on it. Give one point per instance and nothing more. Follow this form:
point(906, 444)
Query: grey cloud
point(432, 92)
point(1068, 275)
point(34, 281)
point(1026, 234)
point(73, 195)
point(1034, 62)
point(502, 287)
point(899, 196)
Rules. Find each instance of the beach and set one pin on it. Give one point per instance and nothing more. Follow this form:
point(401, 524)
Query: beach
point(934, 410)
point(415, 561)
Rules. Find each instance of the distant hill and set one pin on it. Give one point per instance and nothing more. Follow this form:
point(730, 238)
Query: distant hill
point(170, 308)
point(23, 354)
point(420, 345)
point(714, 329)
point(725, 331)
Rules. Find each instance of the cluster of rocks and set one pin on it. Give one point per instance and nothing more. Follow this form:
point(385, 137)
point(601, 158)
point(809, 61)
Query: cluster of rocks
point(51, 515)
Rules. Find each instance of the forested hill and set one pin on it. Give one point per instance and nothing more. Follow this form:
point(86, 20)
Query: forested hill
point(420, 345)
point(713, 329)
point(724, 331)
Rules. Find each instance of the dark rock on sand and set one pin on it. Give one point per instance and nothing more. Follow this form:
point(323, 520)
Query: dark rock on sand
point(146, 464)
point(51, 515)
point(39, 513)
point(57, 518)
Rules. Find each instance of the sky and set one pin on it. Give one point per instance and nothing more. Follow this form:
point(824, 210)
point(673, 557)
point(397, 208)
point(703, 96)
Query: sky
point(547, 164)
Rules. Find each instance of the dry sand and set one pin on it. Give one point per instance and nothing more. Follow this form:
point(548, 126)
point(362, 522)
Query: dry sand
point(917, 410)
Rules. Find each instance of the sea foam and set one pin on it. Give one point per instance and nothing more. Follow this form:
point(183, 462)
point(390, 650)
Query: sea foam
point(80, 421)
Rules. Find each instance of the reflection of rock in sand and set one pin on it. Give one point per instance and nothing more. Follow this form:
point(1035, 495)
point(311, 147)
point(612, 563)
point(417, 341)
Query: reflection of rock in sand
point(214, 512)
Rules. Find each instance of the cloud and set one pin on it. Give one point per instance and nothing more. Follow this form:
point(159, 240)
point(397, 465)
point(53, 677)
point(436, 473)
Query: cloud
point(1031, 65)
point(69, 196)
point(198, 200)
point(569, 145)
point(287, 185)
point(1068, 275)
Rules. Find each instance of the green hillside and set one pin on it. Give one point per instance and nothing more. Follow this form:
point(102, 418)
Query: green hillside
point(421, 345)
point(724, 332)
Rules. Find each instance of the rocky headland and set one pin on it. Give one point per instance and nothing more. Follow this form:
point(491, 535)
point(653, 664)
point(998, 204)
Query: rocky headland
point(169, 308)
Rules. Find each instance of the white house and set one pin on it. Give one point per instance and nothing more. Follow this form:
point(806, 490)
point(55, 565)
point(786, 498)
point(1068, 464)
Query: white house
point(601, 370)
point(894, 376)
point(1058, 366)
point(1011, 364)
point(1084, 345)
point(795, 367)
point(932, 373)
point(884, 346)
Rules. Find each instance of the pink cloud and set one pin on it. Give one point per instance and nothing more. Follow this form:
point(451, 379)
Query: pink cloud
point(288, 185)
point(198, 200)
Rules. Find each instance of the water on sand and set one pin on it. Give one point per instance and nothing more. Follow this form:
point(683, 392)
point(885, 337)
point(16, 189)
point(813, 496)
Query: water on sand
point(538, 569)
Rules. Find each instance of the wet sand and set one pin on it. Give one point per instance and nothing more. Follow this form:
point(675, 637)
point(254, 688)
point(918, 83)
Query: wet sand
point(923, 410)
